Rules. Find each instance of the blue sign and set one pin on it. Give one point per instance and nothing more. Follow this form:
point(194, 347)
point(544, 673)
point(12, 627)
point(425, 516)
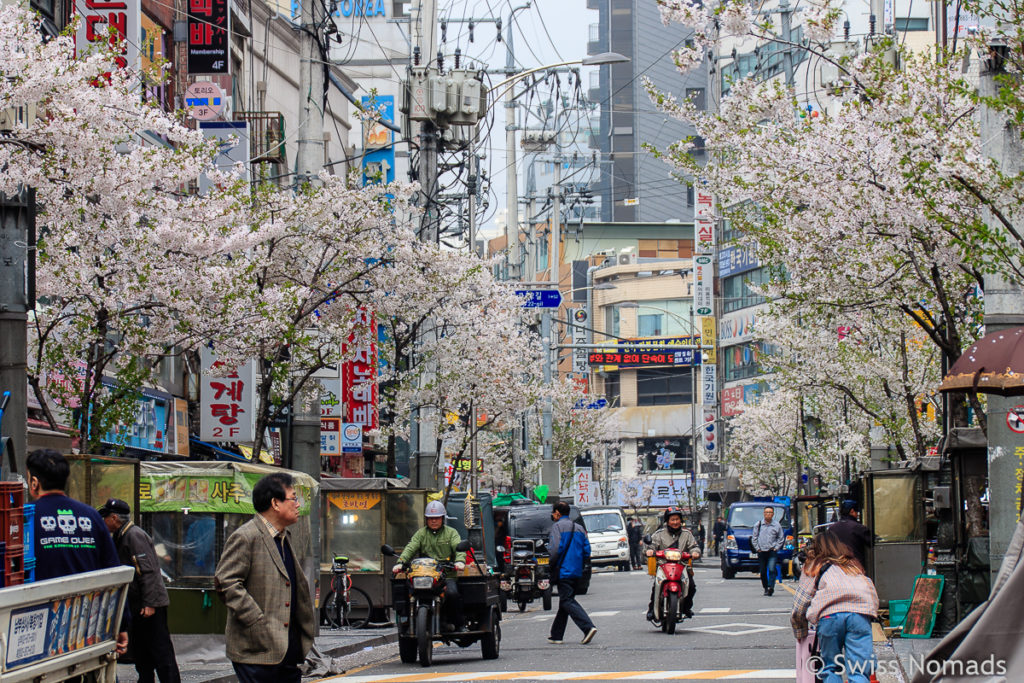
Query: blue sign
point(378, 141)
point(734, 260)
point(540, 298)
point(593, 405)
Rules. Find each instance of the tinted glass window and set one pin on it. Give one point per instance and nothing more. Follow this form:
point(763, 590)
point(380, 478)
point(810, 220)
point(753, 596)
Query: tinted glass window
point(746, 517)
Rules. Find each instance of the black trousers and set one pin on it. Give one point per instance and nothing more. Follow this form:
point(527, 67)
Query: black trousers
point(267, 673)
point(766, 560)
point(568, 607)
point(687, 599)
point(453, 611)
point(152, 649)
point(635, 556)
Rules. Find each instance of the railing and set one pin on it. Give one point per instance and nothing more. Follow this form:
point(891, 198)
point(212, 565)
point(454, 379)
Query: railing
point(266, 135)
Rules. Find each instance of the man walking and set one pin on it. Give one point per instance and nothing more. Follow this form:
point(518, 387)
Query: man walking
point(718, 532)
point(70, 537)
point(270, 611)
point(635, 534)
point(767, 539)
point(568, 549)
point(149, 636)
point(855, 535)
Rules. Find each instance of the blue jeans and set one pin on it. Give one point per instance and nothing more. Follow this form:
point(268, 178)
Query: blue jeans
point(767, 559)
point(852, 632)
point(568, 607)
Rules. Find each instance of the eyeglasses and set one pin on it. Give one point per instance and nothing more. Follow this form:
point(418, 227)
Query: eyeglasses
point(294, 499)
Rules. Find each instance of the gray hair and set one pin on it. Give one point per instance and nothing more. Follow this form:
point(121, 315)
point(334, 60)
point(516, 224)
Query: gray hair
point(122, 517)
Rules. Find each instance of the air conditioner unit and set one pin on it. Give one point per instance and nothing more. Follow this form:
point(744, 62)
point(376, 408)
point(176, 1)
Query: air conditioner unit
point(626, 259)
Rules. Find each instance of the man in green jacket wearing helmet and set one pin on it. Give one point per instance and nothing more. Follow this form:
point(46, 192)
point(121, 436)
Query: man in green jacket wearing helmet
point(437, 540)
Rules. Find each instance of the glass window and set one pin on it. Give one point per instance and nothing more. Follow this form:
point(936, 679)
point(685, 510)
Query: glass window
point(736, 291)
point(746, 516)
point(673, 315)
point(542, 252)
point(742, 361)
point(603, 521)
point(659, 387)
point(352, 527)
point(911, 24)
point(612, 388)
point(897, 514)
point(611, 320)
point(649, 324)
point(404, 517)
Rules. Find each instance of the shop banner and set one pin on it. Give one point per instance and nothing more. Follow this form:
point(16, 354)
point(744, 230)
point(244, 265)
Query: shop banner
point(704, 274)
point(583, 486)
point(707, 340)
point(732, 401)
point(227, 410)
point(579, 336)
point(218, 491)
point(113, 22)
point(330, 436)
point(354, 500)
point(704, 223)
point(359, 375)
point(709, 384)
point(208, 26)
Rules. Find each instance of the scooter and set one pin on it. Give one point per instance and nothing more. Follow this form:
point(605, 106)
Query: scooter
point(529, 576)
point(672, 582)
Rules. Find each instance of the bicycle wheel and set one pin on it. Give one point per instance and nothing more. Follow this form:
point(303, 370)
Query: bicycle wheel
point(358, 608)
point(330, 611)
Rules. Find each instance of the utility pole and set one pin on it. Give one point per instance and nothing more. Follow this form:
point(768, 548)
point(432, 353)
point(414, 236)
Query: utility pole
point(1004, 308)
point(17, 296)
point(511, 179)
point(550, 472)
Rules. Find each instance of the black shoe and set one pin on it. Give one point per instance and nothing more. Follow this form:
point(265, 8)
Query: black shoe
point(650, 615)
point(766, 592)
point(771, 592)
point(688, 614)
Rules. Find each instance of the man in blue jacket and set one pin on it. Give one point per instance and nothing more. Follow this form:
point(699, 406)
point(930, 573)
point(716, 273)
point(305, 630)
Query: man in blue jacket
point(568, 549)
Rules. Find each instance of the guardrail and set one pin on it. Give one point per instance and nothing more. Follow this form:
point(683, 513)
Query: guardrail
point(63, 628)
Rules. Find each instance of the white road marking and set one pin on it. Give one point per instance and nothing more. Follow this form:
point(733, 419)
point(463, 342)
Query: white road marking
point(715, 610)
point(608, 613)
point(738, 629)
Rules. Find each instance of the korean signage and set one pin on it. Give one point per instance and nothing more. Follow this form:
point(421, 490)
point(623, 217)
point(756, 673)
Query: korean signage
point(330, 436)
point(733, 260)
point(330, 397)
point(359, 375)
point(579, 336)
point(583, 486)
point(116, 22)
point(208, 36)
point(351, 438)
point(378, 147)
point(732, 401)
point(663, 491)
point(354, 500)
point(148, 430)
point(200, 491)
point(704, 275)
point(640, 359)
point(709, 384)
point(227, 401)
point(704, 223)
point(708, 332)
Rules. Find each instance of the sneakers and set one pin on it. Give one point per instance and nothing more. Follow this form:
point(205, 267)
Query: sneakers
point(554, 642)
point(590, 635)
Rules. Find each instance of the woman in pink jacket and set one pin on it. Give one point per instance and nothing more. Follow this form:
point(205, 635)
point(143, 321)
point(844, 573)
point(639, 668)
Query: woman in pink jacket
point(838, 598)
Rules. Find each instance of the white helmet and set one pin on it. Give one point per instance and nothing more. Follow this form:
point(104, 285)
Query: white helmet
point(435, 508)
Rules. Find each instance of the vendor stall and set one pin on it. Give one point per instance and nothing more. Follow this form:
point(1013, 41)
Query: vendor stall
point(94, 479)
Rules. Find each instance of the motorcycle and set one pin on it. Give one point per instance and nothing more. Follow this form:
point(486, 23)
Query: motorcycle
point(418, 596)
point(528, 577)
point(672, 582)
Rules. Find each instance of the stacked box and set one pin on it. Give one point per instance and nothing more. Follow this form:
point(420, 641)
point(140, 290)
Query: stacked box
point(29, 542)
point(12, 528)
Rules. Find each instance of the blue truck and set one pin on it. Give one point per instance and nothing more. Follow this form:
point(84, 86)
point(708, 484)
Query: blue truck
point(737, 555)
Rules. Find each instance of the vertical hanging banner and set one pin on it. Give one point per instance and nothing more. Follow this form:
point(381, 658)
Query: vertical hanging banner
point(115, 22)
point(583, 486)
point(359, 375)
point(704, 291)
point(208, 36)
point(378, 140)
point(709, 384)
point(579, 336)
point(227, 401)
point(708, 340)
point(704, 223)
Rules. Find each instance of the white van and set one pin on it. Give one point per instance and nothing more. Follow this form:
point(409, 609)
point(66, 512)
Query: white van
point(606, 531)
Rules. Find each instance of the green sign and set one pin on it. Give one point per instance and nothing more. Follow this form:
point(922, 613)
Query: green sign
point(218, 491)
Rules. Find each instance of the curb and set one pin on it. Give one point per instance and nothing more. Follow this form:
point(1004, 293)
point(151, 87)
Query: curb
point(339, 651)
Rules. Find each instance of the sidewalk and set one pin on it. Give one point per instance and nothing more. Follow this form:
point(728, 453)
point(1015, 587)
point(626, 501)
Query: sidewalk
point(899, 658)
point(201, 657)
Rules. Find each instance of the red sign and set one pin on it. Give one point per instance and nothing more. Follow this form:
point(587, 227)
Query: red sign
point(359, 375)
point(732, 401)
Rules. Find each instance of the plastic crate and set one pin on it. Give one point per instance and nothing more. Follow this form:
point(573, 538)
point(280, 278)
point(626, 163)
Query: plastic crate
point(30, 569)
point(28, 534)
point(12, 495)
point(3, 564)
point(14, 564)
point(897, 612)
point(12, 527)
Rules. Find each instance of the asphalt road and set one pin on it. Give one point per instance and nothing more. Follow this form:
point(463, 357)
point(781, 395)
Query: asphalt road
point(737, 634)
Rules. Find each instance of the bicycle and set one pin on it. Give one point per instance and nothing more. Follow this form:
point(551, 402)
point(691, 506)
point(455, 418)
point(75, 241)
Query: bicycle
point(345, 605)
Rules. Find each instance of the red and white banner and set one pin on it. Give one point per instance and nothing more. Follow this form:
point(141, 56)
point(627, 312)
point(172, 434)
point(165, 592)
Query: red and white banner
point(359, 375)
point(117, 22)
point(227, 401)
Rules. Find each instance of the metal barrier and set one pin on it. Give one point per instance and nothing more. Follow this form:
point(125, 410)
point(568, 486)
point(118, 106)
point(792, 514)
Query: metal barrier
point(63, 628)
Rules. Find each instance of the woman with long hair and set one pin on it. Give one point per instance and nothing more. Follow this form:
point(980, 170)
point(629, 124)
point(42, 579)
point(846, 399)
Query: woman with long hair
point(838, 598)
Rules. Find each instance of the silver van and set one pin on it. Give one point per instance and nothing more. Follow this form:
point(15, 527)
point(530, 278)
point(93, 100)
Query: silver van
point(606, 531)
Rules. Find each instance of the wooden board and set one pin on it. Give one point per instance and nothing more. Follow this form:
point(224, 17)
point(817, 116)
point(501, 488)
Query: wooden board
point(924, 605)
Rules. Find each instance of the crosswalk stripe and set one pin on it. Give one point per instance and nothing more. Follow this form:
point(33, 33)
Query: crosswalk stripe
point(687, 675)
point(715, 610)
point(607, 613)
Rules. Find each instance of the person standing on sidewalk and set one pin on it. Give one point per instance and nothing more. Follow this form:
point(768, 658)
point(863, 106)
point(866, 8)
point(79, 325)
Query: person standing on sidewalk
point(767, 539)
point(840, 600)
point(270, 611)
point(148, 636)
point(718, 533)
point(855, 535)
point(568, 549)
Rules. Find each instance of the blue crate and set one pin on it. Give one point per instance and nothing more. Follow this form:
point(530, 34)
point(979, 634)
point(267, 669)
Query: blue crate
point(28, 534)
point(30, 569)
point(3, 564)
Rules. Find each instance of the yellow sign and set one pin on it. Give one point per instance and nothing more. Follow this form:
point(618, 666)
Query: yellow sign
point(354, 500)
point(708, 339)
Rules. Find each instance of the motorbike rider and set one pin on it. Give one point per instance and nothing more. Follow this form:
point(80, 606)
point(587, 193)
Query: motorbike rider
point(437, 540)
point(674, 535)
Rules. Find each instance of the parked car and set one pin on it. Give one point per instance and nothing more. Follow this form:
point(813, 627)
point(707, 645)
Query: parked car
point(534, 522)
point(737, 555)
point(606, 531)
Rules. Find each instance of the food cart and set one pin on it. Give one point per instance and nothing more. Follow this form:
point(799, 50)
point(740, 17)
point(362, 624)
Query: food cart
point(190, 508)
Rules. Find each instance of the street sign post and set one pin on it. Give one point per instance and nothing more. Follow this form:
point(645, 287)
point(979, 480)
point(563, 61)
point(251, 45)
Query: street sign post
point(540, 298)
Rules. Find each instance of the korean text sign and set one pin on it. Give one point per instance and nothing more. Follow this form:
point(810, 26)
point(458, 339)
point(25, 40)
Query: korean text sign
point(359, 375)
point(208, 36)
point(116, 22)
point(227, 402)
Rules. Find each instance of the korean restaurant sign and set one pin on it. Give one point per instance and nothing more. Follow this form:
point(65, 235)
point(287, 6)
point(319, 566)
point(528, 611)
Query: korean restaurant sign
point(359, 374)
point(227, 401)
point(354, 500)
point(117, 23)
point(208, 36)
point(216, 491)
point(704, 223)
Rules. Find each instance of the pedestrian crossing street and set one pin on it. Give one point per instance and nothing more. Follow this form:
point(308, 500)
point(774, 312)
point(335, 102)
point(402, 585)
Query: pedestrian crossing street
point(691, 675)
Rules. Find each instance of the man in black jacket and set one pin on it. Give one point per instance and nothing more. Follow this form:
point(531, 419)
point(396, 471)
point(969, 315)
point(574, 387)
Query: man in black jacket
point(149, 638)
point(855, 535)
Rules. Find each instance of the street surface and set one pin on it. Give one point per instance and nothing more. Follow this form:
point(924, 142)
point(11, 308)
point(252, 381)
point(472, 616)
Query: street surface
point(737, 634)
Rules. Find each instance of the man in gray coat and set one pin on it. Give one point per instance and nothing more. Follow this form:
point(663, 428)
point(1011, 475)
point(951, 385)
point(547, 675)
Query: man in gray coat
point(149, 639)
point(767, 539)
point(270, 611)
